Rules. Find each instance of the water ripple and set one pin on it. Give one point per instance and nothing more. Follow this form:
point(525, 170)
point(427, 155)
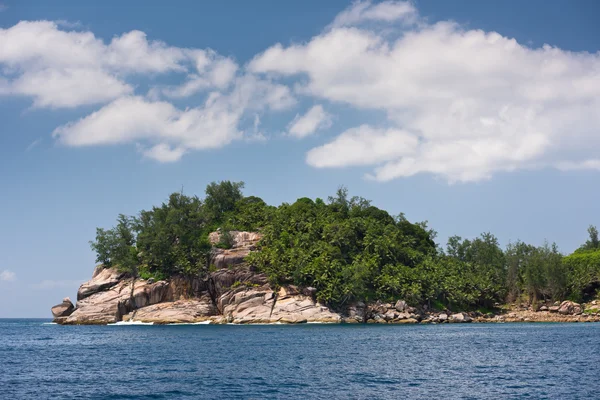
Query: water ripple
point(538, 361)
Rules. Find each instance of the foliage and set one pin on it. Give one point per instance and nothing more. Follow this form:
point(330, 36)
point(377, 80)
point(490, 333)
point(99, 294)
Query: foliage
point(593, 243)
point(116, 246)
point(348, 249)
point(583, 273)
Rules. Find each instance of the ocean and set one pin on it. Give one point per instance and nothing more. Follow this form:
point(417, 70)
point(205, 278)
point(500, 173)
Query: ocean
point(39, 360)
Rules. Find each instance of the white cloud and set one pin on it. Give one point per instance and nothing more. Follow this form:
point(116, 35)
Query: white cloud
point(477, 101)
point(593, 164)
point(135, 119)
point(164, 132)
point(7, 276)
point(363, 146)
point(457, 103)
point(60, 68)
point(307, 124)
point(386, 11)
point(162, 152)
point(55, 88)
point(213, 71)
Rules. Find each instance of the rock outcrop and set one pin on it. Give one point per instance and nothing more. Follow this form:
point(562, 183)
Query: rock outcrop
point(176, 312)
point(236, 293)
point(102, 279)
point(61, 311)
point(243, 244)
point(109, 305)
point(569, 307)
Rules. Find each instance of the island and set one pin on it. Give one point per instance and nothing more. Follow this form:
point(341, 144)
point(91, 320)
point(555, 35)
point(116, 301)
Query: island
point(230, 258)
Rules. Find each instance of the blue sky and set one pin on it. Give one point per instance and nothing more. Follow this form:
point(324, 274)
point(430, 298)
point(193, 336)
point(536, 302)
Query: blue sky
point(476, 116)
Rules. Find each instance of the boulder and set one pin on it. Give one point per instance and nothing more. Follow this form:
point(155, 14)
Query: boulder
point(181, 311)
point(309, 291)
point(261, 305)
point(400, 305)
point(553, 308)
point(390, 315)
point(403, 315)
point(63, 309)
point(109, 305)
point(443, 317)
point(243, 244)
point(569, 307)
point(240, 238)
point(543, 308)
point(102, 279)
point(406, 321)
point(459, 317)
point(356, 312)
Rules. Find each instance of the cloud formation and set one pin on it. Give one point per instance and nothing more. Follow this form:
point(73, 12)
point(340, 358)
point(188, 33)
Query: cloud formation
point(386, 11)
point(316, 118)
point(7, 276)
point(168, 132)
point(461, 104)
point(477, 102)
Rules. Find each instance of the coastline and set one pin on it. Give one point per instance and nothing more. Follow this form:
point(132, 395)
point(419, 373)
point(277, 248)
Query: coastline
point(235, 293)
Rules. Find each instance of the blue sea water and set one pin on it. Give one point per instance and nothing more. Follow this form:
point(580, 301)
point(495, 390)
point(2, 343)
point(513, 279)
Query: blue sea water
point(473, 361)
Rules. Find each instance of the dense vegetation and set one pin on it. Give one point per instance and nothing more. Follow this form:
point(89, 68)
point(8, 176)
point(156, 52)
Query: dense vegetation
point(348, 250)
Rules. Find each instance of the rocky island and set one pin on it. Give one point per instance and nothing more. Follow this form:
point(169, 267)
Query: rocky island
point(311, 262)
point(234, 293)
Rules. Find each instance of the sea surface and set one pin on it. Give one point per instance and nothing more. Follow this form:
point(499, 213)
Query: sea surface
point(39, 360)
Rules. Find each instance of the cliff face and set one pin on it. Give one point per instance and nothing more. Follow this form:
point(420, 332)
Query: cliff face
point(234, 293)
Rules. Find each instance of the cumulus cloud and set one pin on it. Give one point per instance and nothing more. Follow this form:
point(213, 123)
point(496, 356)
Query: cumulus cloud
point(363, 145)
point(135, 120)
point(458, 103)
point(164, 132)
point(56, 88)
point(7, 276)
point(307, 124)
point(213, 71)
point(60, 68)
point(479, 102)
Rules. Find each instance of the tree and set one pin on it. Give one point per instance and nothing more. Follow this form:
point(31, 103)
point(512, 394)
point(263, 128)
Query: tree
point(116, 246)
point(593, 243)
point(221, 198)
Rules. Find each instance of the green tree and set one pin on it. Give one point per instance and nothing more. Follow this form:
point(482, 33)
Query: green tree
point(593, 243)
point(116, 246)
point(221, 198)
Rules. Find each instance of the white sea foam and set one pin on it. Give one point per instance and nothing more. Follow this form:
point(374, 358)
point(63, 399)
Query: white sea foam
point(49, 323)
point(131, 323)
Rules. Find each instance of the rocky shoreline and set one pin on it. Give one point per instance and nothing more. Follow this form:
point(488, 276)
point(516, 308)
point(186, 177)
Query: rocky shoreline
point(237, 294)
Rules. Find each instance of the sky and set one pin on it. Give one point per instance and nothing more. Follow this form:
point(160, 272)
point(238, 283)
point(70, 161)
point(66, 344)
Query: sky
point(474, 116)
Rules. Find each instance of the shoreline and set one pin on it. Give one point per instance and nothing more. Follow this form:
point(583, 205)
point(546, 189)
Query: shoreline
point(540, 317)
